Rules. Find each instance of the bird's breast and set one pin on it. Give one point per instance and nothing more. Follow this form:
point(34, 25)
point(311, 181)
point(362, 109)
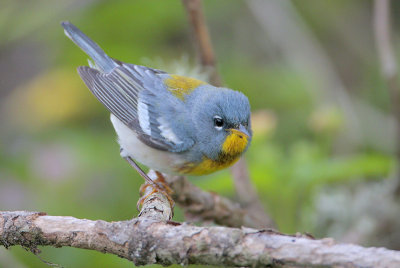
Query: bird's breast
point(162, 161)
point(206, 166)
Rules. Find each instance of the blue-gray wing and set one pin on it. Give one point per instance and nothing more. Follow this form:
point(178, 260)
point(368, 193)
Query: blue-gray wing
point(137, 96)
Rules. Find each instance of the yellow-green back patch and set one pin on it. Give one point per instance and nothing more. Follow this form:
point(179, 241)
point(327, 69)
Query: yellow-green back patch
point(181, 85)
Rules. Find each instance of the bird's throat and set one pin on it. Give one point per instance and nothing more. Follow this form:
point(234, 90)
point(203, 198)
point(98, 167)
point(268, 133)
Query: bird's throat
point(234, 145)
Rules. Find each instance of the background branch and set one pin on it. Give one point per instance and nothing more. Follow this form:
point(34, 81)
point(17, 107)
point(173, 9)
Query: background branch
point(382, 31)
point(199, 205)
point(202, 39)
point(388, 65)
point(245, 190)
point(387, 58)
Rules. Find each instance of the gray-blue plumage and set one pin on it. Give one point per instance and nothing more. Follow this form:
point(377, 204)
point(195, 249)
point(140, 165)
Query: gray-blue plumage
point(103, 62)
point(122, 87)
point(139, 98)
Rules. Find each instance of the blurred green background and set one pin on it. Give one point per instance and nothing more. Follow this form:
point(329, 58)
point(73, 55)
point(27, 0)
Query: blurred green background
point(323, 157)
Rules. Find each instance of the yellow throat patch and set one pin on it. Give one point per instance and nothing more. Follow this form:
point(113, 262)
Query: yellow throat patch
point(235, 143)
point(232, 148)
point(180, 86)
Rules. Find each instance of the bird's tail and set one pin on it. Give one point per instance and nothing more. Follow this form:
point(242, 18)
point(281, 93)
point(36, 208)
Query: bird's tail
point(102, 61)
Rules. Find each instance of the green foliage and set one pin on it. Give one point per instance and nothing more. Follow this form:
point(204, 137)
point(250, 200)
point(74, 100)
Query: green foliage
point(289, 179)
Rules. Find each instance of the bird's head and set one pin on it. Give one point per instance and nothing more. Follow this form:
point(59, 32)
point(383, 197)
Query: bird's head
point(222, 122)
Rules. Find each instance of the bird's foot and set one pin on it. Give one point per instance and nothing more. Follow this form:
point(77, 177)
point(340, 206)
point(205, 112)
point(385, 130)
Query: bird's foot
point(158, 185)
point(161, 186)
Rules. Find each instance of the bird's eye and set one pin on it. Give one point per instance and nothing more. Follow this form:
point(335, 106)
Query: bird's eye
point(218, 122)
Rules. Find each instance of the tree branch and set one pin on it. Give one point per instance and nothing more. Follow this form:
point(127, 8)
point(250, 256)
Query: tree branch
point(201, 205)
point(145, 240)
point(387, 58)
point(382, 29)
point(153, 239)
point(204, 48)
point(388, 65)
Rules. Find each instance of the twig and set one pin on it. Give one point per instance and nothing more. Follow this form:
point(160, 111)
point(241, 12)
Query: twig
point(243, 185)
point(382, 39)
point(387, 58)
point(386, 54)
point(147, 241)
point(202, 39)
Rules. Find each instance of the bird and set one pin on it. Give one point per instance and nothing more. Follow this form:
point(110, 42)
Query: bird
point(170, 123)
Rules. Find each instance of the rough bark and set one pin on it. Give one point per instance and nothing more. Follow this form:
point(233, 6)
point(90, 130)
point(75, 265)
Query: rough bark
point(152, 239)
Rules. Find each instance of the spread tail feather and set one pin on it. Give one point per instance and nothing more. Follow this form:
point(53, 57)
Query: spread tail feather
point(102, 61)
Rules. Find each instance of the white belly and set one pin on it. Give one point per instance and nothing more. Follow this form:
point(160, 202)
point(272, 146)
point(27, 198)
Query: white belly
point(163, 161)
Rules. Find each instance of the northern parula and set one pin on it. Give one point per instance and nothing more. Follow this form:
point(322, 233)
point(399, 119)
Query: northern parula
point(170, 123)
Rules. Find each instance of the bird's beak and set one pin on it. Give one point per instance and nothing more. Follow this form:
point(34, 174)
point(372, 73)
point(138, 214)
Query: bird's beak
point(241, 130)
